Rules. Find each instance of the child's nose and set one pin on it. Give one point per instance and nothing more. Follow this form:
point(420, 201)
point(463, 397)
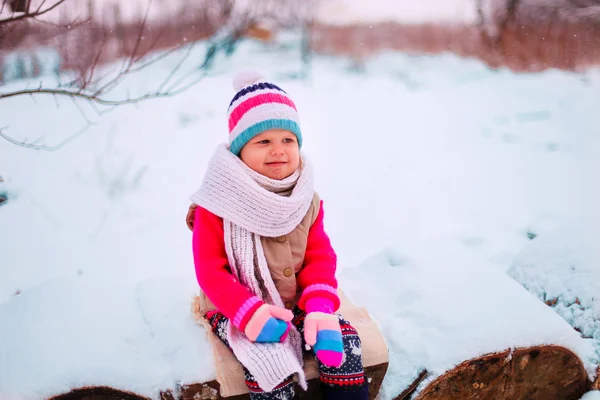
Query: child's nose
point(276, 150)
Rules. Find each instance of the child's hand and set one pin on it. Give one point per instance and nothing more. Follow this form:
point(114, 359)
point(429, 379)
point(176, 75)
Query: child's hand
point(322, 331)
point(269, 324)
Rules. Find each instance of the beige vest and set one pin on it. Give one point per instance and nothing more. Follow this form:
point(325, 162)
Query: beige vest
point(284, 254)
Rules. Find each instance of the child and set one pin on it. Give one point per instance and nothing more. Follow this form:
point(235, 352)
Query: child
point(262, 257)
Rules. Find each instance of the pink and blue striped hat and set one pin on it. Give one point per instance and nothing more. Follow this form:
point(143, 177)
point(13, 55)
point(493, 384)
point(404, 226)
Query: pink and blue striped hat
point(257, 107)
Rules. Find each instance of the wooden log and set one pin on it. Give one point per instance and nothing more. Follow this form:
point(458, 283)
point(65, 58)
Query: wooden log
point(596, 384)
point(408, 392)
point(478, 333)
point(211, 390)
point(430, 321)
point(229, 371)
point(98, 393)
point(534, 373)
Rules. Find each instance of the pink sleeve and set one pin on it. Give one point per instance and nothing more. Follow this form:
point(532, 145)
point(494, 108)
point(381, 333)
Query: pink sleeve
point(317, 276)
point(230, 297)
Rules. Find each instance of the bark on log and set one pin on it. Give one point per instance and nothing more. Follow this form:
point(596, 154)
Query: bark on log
point(98, 393)
point(534, 373)
point(596, 384)
point(210, 390)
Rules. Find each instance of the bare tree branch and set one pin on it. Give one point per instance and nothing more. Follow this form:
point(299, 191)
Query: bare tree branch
point(90, 77)
point(98, 95)
point(96, 88)
point(82, 112)
point(37, 13)
point(132, 57)
point(494, 19)
point(34, 146)
point(80, 94)
point(174, 70)
point(71, 25)
point(510, 14)
point(158, 58)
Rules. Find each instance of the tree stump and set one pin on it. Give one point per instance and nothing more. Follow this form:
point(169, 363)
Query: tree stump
point(477, 332)
point(534, 373)
point(229, 383)
point(596, 384)
point(211, 390)
point(98, 393)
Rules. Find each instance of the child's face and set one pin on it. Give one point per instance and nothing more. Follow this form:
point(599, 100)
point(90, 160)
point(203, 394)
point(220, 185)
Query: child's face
point(274, 153)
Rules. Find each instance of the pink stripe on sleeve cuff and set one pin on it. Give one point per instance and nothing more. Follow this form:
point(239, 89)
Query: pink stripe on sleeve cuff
point(319, 290)
point(245, 312)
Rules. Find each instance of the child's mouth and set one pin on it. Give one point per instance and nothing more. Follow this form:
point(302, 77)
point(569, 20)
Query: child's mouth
point(276, 163)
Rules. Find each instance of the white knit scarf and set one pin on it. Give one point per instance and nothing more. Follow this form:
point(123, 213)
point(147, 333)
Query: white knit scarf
point(252, 206)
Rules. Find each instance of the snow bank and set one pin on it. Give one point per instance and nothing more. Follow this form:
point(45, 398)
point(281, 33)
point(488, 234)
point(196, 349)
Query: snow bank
point(410, 148)
point(439, 306)
point(562, 267)
point(74, 332)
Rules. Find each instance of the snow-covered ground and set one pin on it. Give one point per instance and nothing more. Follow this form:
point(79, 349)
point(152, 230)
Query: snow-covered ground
point(439, 305)
point(438, 165)
point(563, 268)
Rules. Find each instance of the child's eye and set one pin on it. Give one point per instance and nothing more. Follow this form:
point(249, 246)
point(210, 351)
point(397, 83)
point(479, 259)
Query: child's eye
point(264, 141)
point(288, 140)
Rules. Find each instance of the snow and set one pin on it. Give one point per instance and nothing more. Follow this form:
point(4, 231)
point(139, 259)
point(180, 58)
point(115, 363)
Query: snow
point(447, 307)
point(447, 165)
point(17, 66)
point(349, 12)
point(75, 331)
point(564, 264)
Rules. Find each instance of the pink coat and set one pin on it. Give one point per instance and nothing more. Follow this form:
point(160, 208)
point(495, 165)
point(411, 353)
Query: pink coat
point(315, 277)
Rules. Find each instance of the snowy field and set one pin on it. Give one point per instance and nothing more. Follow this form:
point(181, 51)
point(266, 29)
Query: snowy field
point(435, 171)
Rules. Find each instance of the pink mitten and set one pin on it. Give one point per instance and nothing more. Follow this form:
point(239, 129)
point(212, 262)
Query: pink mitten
point(322, 331)
point(269, 324)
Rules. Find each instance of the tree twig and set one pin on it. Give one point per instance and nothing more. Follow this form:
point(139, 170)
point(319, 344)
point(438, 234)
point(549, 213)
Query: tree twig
point(34, 146)
point(87, 87)
point(35, 14)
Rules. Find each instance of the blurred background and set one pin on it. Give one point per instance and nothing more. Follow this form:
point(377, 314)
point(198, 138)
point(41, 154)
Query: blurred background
point(526, 35)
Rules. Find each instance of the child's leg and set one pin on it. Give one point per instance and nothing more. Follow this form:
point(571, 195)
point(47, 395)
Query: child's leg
point(347, 382)
point(285, 390)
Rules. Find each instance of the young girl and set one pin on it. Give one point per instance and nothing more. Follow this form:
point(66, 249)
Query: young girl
point(262, 257)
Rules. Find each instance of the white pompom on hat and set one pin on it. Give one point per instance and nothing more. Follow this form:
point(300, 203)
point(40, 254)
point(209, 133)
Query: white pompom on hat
point(247, 77)
point(259, 106)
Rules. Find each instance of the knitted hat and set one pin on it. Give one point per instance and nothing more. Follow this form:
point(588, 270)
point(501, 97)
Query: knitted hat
point(257, 107)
